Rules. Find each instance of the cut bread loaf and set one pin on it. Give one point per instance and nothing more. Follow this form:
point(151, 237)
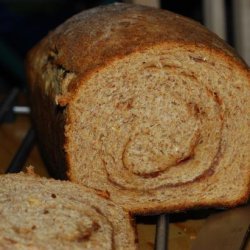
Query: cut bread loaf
point(40, 213)
point(145, 105)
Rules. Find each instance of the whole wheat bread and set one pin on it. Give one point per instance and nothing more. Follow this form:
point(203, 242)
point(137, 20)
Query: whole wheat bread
point(145, 105)
point(40, 213)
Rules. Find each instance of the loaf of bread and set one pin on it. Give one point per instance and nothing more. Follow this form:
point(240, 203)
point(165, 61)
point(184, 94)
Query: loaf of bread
point(38, 213)
point(145, 105)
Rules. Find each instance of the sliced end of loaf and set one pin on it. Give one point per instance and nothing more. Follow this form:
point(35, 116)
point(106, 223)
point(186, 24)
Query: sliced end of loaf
point(163, 129)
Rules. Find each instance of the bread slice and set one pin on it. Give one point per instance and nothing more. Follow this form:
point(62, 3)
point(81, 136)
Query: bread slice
point(40, 213)
point(145, 105)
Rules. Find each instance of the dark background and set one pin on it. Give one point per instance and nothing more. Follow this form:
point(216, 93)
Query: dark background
point(24, 22)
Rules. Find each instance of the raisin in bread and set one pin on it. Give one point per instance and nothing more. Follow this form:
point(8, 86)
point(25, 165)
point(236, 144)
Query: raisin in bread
point(145, 105)
point(40, 213)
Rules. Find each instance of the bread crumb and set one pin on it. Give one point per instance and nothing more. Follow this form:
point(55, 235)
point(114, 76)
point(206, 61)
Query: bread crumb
point(30, 170)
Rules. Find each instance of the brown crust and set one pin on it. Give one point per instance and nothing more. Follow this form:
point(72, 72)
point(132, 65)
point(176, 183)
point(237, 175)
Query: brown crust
point(159, 209)
point(82, 48)
point(48, 118)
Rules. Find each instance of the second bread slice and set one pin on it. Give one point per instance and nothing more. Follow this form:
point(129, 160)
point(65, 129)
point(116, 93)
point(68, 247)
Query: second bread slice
point(38, 213)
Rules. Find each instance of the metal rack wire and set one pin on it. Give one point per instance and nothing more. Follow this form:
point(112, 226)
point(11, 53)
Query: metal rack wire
point(27, 143)
point(21, 155)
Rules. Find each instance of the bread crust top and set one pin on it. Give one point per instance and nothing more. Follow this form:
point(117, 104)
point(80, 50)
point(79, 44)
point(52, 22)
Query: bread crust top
point(93, 38)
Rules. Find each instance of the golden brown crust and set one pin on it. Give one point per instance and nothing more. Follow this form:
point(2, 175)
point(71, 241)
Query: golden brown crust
point(188, 206)
point(83, 43)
